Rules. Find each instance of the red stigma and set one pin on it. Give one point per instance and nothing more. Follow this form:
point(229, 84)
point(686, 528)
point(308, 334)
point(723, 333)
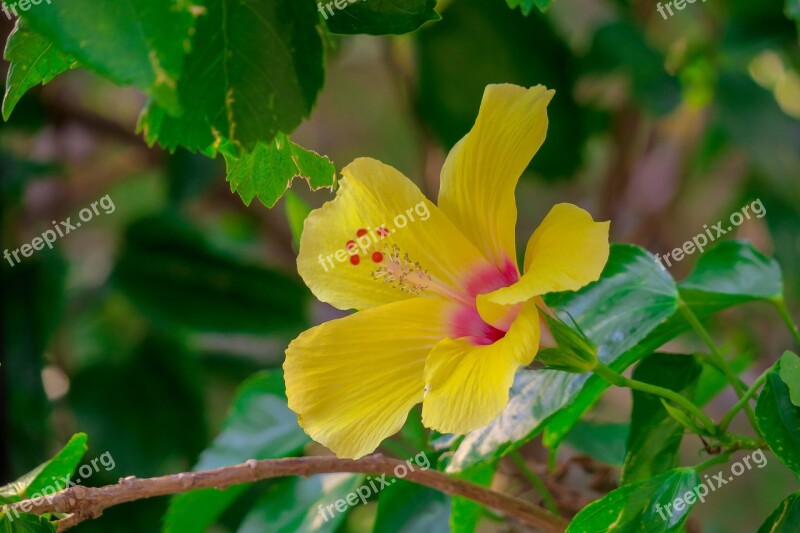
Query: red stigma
point(354, 260)
point(377, 257)
point(361, 232)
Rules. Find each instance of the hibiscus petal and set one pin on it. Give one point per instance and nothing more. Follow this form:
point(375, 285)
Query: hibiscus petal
point(566, 252)
point(482, 170)
point(353, 380)
point(393, 213)
point(467, 385)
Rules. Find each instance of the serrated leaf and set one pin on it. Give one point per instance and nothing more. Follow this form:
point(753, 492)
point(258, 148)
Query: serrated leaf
point(378, 17)
point(254, 72)
point(177, 278)
point(790, 374)
point(25, 523)
point(33, 60)
point(63, 464)
point(292, 505)
point(779, 419)
point(267, 172)
point(640, 506)
point(258, 426)
point(632, 297)
point(526, 6)
point(786, 518)
point(132, 42)
point(655, 436)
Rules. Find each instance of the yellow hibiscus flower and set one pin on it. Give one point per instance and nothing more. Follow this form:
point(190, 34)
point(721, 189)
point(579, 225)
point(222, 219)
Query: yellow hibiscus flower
point(444, 316)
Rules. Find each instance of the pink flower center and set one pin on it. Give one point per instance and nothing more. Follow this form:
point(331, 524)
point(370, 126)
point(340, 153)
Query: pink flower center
point(466, 321)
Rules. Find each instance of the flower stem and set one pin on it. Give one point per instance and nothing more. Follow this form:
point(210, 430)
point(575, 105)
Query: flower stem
point(743, 401)
point(537, 482)
point(724, 457)
point(787, 318)
point(717, 360)
point(619, 380)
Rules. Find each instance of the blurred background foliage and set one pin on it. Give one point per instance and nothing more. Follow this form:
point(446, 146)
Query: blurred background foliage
point(139, 327)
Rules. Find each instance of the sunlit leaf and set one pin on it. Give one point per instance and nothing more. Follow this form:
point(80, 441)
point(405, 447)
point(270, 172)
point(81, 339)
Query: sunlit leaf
point(646, 505)
point(33, 60)
point(267, 172)
point(139, 43)
point(62, 465)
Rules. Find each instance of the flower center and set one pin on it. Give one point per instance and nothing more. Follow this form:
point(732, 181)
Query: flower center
point(407, 275)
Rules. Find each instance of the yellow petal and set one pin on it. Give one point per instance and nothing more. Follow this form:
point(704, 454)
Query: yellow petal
point(566, 252)
point(482, 170)
point(467, 385)
point(353, 380)
point(431, 255)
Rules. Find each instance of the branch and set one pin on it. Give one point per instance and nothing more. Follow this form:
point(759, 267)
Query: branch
point(84, 503)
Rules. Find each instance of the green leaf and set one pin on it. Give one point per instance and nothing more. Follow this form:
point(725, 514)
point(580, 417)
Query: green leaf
point(632, 297)
point(63, 464)
point(731, 273)
point(465, 513)
point(178, 279)
point(268, 171)
point(786, 518)
point(254, 72)
point(132, 42)
point(25, 523)
point(779, 419)
point(408, 508)
point(292, 505)
point(526, 6)
point(501, 46)
point(33, 60)
point(642, 505)
point(655, 436)
point(790, 374)
point(259, 426)
point(604, 441)
point(378, 17)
